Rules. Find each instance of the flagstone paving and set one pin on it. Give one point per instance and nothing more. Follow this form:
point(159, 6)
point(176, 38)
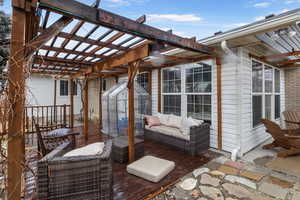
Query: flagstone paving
point(222, 179)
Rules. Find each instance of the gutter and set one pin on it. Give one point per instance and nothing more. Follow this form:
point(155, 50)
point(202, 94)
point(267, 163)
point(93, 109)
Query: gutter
point(253, 29)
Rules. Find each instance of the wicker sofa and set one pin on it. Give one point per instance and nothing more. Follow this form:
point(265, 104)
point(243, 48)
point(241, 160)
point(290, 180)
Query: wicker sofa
point(80, 177)
point(197, 141)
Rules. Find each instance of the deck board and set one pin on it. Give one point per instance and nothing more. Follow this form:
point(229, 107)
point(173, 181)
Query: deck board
point(130, 187)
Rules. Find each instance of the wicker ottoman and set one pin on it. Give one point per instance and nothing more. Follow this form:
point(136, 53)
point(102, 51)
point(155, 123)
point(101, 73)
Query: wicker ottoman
point(120, 148)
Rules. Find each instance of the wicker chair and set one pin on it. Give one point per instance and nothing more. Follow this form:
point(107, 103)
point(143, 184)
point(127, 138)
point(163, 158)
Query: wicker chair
point(74, 178)
point(292, 119)
point(47, 143)
point(282, 138)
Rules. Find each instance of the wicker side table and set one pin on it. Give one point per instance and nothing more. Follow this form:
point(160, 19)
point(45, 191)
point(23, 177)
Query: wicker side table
point(120, 148)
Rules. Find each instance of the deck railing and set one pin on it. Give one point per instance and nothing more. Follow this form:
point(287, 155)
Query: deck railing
point(58, 115)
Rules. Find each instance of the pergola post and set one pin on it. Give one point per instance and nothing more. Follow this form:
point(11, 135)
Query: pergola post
point(100, 102)
point(54, 99)
point(159, 91)
point(219, 101)
point(86, 108)
point(132, 70)
point(16, 97)
point(71, 103)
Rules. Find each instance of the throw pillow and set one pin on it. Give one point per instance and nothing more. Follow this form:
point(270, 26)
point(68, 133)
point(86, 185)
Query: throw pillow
point(174, 121)
point(152, 120)
point(164, 119)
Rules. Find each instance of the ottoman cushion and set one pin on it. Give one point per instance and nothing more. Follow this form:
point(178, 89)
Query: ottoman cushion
point(151, 168)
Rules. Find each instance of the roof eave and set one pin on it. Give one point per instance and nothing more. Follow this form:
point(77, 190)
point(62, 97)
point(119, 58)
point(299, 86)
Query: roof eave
point(254, 29)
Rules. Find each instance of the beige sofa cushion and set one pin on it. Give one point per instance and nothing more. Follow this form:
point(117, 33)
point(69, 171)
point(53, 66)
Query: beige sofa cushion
point(167, 130)
point(174, 121)
point(164, 119)
point(151, 168)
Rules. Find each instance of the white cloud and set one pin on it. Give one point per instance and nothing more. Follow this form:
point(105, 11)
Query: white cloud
point(116, 3)
point(259, 18)
point(292, 1)
point(175, 17)
point(262, 5)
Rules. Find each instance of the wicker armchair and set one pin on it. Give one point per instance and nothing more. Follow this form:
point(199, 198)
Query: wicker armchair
point(74, 178)
point(47, 143)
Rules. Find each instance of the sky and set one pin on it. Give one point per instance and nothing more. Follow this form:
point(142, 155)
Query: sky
point(188, 18)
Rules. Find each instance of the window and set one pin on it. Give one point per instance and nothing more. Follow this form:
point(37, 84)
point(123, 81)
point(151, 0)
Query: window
point(142, 79)
point(171, 91)
point(198, 89)
point(64, 87)
point(103, 84)
point(265, 89)
point(187, 91)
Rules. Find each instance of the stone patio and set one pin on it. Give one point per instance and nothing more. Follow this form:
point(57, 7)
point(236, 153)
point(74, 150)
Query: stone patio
point(223, 179)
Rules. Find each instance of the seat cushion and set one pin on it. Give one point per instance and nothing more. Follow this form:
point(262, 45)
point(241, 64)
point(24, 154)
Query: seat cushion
point(151, 168)
point(167, 130)
point(88, 150)
point(58, 132)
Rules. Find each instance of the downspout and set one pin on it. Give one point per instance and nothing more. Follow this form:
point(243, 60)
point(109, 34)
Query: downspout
point(235, 153)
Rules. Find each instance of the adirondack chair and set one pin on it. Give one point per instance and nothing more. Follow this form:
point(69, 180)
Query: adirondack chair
point(292, 119)
point(288, 139)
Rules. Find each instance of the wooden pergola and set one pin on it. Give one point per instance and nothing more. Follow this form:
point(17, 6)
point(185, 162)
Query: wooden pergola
point(46, 40)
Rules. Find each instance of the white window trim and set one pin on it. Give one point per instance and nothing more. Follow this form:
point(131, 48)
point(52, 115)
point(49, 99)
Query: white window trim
point(263, 93)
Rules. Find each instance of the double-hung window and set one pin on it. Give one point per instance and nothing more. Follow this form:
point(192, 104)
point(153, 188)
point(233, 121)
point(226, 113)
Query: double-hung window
point(172, 91)
point(187, 91)
point(64, 88)
point(142, 79)
point(198, 89)
point(265, 92)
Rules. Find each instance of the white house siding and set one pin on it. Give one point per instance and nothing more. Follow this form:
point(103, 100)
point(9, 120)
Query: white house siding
point(230, 99)
point(154, 92)
point(40, 92)
point(252, 137)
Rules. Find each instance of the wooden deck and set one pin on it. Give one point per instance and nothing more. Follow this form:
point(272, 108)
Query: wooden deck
point(130, 187)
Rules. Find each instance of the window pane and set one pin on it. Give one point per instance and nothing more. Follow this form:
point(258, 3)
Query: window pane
point(277, 106)
point(268, 79)
point(268, 107)
point(199, 106)
point(142, 79)
point(256, 109)
point(171, 81)
point(257, 77)
point(277, 81)
point(198, 79)
point(172, 104)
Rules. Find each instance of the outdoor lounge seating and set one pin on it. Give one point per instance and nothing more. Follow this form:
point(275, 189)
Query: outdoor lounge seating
point(180, 133)
point(151, 168)
point(49, 137)
point(282, 138)
point(75, 177)
point(292, 119)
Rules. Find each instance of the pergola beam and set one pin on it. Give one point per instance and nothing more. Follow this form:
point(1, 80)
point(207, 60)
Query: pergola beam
point(122, 59)
point(294, 53)
point(107, 19)
point(46, 35)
